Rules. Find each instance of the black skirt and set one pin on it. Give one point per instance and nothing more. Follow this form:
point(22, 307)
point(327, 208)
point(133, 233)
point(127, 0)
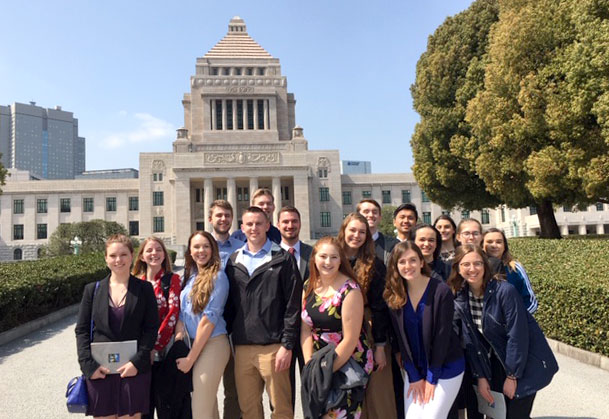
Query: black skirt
point(114, 395)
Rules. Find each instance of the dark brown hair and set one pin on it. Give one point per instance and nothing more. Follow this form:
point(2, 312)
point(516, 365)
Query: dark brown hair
point(364, 259)
point(368, 201)
point(455, 280)
point(395, 286)
point(507, 258)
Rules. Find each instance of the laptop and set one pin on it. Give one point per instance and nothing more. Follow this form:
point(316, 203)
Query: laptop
point(113, 355)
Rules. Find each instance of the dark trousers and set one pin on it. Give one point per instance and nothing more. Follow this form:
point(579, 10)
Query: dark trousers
point(231, 401)
point(176, 411)
point(516, 408)
point(297, 356)
point(398, 385)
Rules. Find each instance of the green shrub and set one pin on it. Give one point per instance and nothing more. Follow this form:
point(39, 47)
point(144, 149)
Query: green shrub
point(32, 289)
point(571, 281)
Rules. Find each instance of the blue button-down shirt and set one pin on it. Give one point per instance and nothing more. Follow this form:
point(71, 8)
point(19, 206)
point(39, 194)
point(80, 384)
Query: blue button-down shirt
point(252, 261)
point(214, 309)
point(227, 248)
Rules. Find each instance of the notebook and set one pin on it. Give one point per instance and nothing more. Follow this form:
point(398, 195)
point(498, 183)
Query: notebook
point(497, 410)
point(113, 355)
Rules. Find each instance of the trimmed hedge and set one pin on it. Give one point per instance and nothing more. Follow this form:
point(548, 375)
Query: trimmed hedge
point(571, 281)
point(32, 289)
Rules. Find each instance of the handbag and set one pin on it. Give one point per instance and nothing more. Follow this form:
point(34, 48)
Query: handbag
point(76, 393)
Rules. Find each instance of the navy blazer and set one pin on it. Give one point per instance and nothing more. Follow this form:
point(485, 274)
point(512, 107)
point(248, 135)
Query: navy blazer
point(140, 322)
point(305, 256)
point(440, 341)
point(513, 334)
point(383, 246)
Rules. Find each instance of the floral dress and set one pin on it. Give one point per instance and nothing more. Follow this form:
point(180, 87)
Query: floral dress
point(323, 315)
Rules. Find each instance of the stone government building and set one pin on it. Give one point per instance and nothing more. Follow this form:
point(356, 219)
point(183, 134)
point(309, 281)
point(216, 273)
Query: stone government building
point(239, 134)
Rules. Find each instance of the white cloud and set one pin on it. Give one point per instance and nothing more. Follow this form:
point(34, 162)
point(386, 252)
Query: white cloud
point(147, 128)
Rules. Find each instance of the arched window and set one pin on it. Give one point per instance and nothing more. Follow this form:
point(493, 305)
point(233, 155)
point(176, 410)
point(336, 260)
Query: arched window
point(39, 252)
point(17, 254)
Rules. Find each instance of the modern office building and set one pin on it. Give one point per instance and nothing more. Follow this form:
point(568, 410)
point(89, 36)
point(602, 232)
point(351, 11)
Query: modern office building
point(43, 141)
point(355, 167)
point(239, 134)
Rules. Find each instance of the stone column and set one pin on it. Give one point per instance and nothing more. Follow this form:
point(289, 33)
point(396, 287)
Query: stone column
point(244, 113)
point(301, 202)
point(255, 101)
point(208, 198)
point(600, 228)
point(224, 114)
point(253, 187)
point(266, 114)
point(182, 215)
point(564, 229)
point(235, 125)
point(214, 121)
point(277, 195)
point(582, 229)
point(231, 194)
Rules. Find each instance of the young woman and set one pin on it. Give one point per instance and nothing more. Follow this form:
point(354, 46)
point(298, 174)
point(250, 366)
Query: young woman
point(448, 229)
point(152, 264)
point(469, 231)
point(422, 309)
point(505, 348)
point(496, 245)
point(332, 313)
point(201, 321)
point(122, 307)
point(356, 242)
point(428, 239)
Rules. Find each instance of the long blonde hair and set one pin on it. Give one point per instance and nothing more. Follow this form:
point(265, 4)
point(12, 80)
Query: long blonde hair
point(140, 267)
point(205, 280)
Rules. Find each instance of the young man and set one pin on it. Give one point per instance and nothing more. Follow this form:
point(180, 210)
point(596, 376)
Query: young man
point(405, 217)
point(263, 199)
point(371, 210)
point(221, 219)
point(289, 228)
point(263, 313)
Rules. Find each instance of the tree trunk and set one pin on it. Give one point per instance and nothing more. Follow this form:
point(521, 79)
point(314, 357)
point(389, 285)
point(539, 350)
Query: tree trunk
point(547, 221)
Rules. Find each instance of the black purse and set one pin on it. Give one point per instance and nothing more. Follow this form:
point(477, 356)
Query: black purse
point(76, 393)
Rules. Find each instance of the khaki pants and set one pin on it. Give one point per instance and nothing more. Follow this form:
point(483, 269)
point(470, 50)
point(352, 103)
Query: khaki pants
point(254, 371)
point(380, 397)
point(206, 374)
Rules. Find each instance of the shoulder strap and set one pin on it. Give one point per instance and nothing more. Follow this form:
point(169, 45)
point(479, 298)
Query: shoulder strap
point(166, 283)
point(92, 322)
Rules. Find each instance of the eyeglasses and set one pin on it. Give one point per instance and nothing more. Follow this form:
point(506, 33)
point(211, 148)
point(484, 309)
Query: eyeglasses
point(470, 233)
point(467, 265)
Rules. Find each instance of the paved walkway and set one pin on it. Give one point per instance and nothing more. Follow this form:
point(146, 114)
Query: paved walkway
point(34, 372)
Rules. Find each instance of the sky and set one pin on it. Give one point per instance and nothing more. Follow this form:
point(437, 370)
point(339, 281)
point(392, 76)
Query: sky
point(122, 68)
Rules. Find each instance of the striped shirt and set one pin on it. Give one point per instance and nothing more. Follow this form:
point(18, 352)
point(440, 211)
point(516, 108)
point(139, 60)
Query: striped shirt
point(475, 307)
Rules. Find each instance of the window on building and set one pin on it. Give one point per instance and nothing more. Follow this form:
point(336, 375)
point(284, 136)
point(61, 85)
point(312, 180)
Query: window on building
point(325, 219)
point(485, 217)
point(465, 214)
point(599, 206)
point(87, 204)
point(324, 194)
point(18, 206)
point(405, 196)
point(249, 71)
point(347, 198)
point(426, 217)
point(260, 114)
point(226, 71)
point(532, 210)
point(229, 114)
point(41, 206)
point(250, 114)
point(285, 193)
point(218, 114)
point(157, 177)
point(237, 71)
point(41, 231)
point(260, 71)
point(246, 194)
point(386, 197)
point(566, 208)
point(111, 204)
point(200, 225)
point(134, 203)
point(214, 71)
point(239, 114)
point(221, 193)
point(18, 232)
point(17, 254)
point(134, 228)
point(322, 173)
point(366, 194)
point(424, 197)
point(158, 224)
point(157, 198)
point(64, 205)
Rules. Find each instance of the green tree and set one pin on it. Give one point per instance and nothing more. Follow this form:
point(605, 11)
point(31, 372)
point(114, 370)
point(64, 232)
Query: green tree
point(3, 174)
point(449, 74)
point(92, 233)
point(541, 124)
point(386, 225)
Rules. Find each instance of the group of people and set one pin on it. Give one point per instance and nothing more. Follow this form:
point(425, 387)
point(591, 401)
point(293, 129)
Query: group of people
point(378, 327)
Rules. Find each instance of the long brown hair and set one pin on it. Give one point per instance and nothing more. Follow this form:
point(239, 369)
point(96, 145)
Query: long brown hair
point(507, 258)
point(205, 280)
point(344, 268)
point(140, 267)
point(455, 280)
point(395, 286)
point(364, 259)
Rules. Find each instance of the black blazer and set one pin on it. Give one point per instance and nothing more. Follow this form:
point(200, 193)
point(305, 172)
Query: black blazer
point(383, 247)
point(141, 322)
point(305, 255)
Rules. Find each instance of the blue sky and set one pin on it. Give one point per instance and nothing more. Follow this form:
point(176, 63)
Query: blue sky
point(122, 67)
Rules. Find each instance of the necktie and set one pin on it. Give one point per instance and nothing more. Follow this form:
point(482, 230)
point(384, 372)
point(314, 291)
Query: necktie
point(291, 251)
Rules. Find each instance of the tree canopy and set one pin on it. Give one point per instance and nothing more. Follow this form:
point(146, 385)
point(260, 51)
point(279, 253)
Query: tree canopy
point(536, 130)
point(92, 233)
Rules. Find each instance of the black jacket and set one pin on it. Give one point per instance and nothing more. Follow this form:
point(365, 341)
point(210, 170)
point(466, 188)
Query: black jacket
point(141, 322)
point(383, 246)
point(305, 256)
point(440, 341)
point(441, 268)
point(264, 308)
point(513, 334)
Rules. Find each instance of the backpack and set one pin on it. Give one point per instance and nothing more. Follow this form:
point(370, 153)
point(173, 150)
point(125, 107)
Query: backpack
point(166, 284)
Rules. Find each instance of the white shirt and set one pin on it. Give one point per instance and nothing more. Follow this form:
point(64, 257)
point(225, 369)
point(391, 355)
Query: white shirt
point(296, 247)
point(375, 236)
